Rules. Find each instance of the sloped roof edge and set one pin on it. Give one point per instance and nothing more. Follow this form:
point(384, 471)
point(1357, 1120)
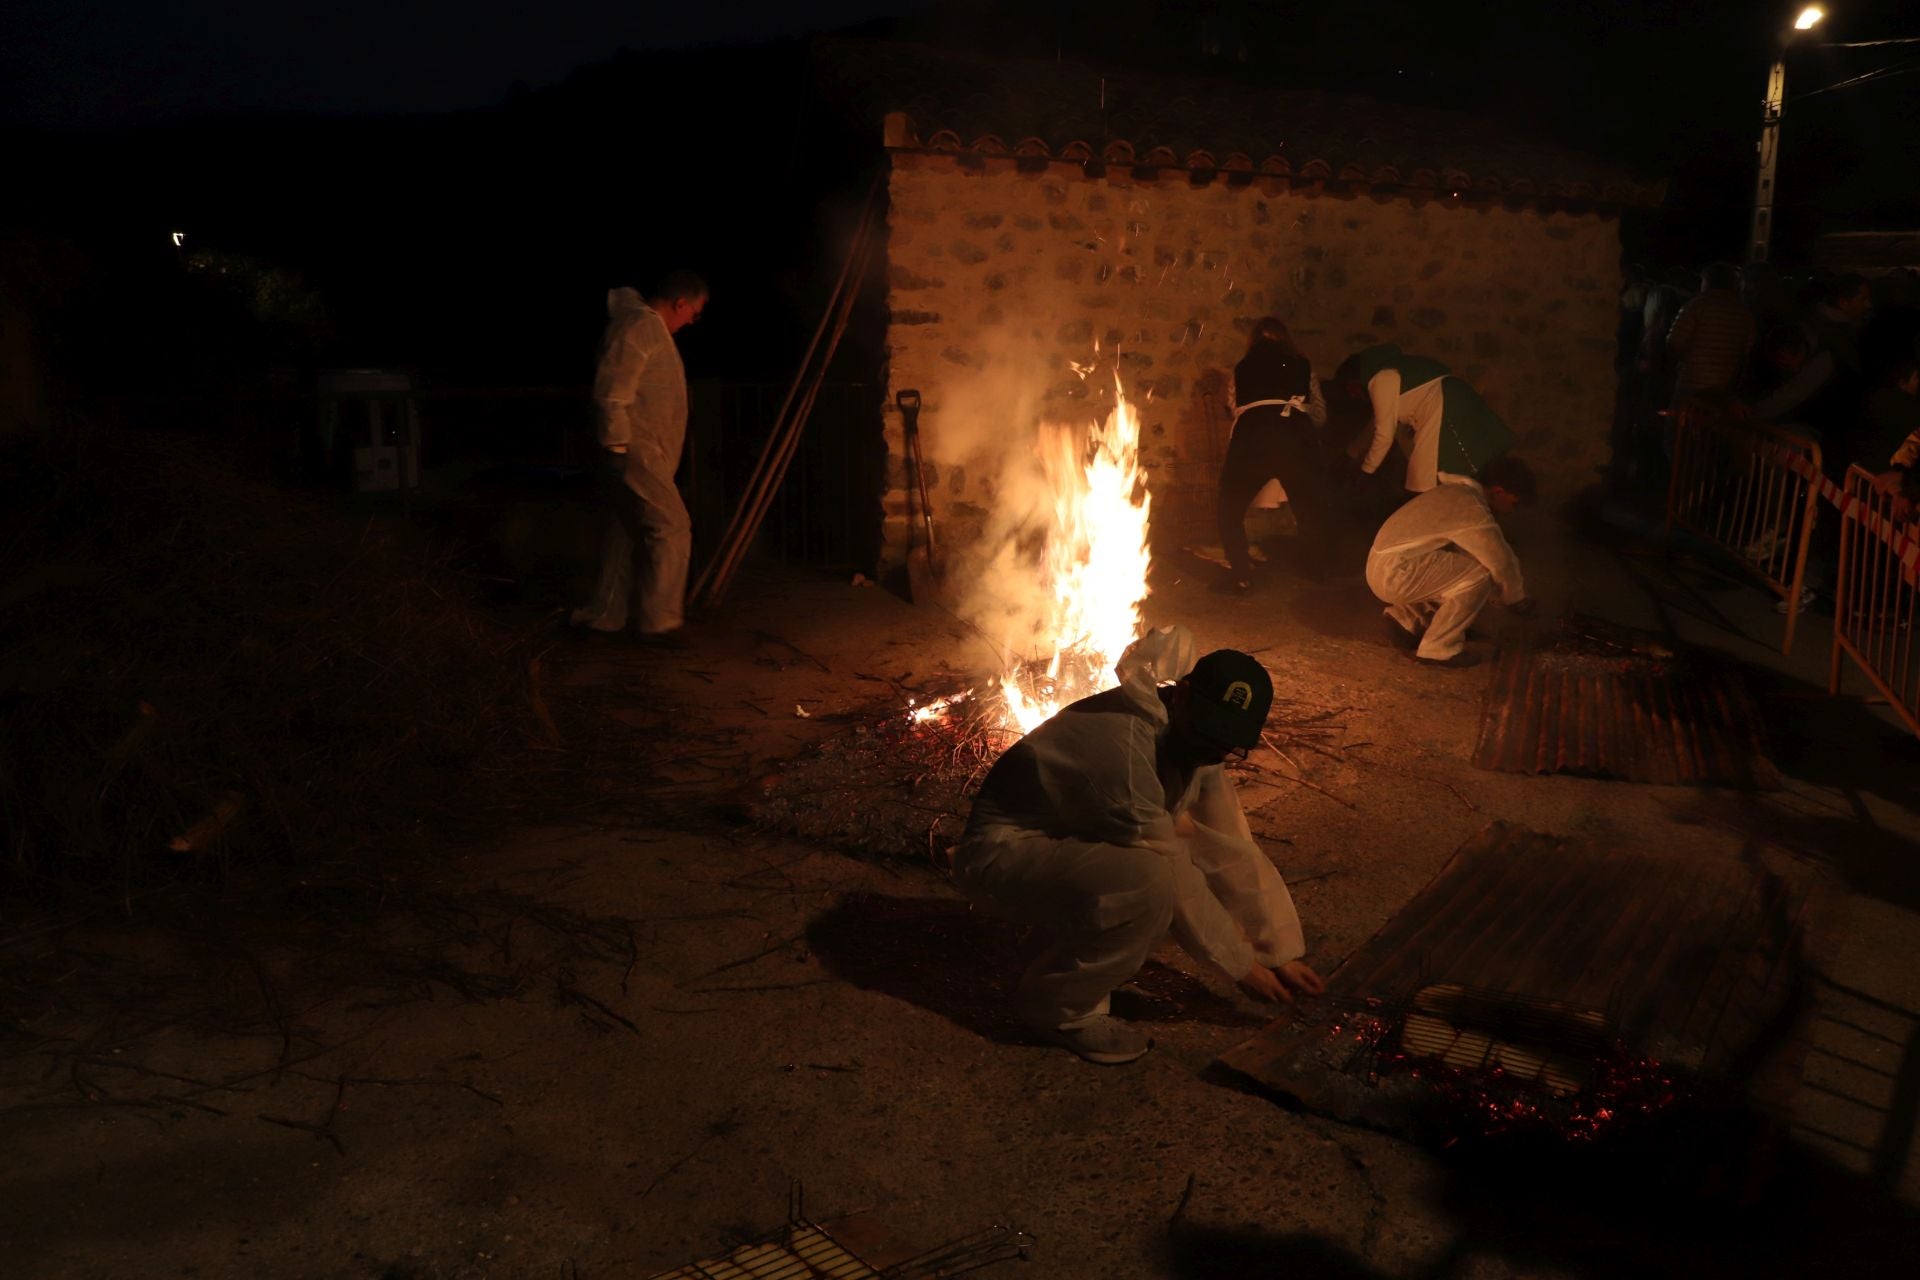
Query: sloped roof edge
point(958, 105)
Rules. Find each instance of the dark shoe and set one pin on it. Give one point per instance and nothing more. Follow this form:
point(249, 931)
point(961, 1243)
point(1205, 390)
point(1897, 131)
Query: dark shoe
point(1807, 596)
point(1399, 637)
point(1458, 662)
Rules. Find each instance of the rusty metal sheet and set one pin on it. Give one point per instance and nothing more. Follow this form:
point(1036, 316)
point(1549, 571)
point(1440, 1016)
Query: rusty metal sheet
point(1687, 963)
point(1607, 708)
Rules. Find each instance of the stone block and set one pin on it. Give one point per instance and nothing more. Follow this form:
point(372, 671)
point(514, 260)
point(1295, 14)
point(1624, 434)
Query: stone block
point(904, 278)
point(1532, 292)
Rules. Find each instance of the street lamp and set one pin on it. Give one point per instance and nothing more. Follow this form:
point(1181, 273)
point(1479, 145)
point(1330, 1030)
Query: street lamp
point(1762, 234)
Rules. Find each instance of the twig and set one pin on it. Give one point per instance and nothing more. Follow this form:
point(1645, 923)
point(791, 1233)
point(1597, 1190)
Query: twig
point(715, 1129)
point(418, 1080)
point(768, 635)
point(573, 995)
point(761, 954)
point(1186, 1195)
point(318, 1131)
point(1303, 780)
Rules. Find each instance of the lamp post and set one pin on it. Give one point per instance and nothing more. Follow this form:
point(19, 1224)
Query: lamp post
point(1776, 101)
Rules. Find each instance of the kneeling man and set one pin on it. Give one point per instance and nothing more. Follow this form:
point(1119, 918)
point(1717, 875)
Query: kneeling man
point(1114, 822)
point(1439, 559)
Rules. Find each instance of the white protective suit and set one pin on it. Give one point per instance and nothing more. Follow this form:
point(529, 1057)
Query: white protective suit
point(1413, 416)
point(1080, 830)
point(1436, 562)
point(641, 393)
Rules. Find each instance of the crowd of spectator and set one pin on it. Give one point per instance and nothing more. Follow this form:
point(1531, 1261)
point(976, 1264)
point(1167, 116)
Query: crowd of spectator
point(1835, 358)
point(1832, 358)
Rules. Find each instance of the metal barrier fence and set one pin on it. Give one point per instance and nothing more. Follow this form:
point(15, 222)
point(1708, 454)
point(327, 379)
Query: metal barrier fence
point(1753, 490)
point(827, 510)
point(1875, 594)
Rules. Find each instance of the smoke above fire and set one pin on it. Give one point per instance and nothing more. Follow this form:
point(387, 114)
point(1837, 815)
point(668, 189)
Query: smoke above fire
point(1059, 573)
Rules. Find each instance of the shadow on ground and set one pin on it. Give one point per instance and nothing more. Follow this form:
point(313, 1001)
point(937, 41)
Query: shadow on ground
point(947, 958)
point(1841, 745)
point(1700, 1205)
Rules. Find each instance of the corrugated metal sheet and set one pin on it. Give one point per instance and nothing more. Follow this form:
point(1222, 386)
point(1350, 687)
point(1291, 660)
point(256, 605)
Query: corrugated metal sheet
point(1687, 961)
point(1674, 720)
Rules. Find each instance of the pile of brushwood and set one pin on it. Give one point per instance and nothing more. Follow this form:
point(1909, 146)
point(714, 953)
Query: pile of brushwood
point(207, 679)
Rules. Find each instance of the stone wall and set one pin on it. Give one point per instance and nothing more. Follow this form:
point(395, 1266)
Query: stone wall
point(1001, 280)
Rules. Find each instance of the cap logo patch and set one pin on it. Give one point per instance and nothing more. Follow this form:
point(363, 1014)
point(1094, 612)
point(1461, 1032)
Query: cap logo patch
point(1239, 694)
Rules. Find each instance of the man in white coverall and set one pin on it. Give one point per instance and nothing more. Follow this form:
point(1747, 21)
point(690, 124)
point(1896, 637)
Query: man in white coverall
point(1439, 559)
point(1116, 820)
point(641, 392)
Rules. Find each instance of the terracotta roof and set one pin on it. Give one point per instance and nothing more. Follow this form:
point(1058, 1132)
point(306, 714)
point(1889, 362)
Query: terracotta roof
point(963, 105)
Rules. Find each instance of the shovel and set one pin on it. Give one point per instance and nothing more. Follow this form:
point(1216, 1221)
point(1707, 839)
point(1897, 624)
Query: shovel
point(925, 577)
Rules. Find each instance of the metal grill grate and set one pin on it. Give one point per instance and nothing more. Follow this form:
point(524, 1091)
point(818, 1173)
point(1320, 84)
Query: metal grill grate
point(803, 1250)
point(1607, 708)
point(1550, 963)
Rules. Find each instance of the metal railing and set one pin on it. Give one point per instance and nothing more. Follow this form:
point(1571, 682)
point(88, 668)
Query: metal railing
point(827, 509)
point(1752, 490)
point(1876, 594)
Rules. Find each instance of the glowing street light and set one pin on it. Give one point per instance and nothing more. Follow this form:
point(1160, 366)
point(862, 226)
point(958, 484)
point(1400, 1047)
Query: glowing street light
point(1761, 237)
point(179, 238)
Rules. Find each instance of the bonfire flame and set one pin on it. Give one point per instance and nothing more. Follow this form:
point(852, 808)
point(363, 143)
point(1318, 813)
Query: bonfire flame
point(1093, 576)
point(1096, 563)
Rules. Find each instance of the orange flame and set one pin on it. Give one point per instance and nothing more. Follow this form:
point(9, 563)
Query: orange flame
point(1096, 563)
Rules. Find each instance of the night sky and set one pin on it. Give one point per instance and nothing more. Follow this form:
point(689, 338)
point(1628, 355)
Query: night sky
point(449, 177)
point(125, 62)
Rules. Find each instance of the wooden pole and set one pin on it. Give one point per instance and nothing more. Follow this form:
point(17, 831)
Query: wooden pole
point(723, 576)
point(781, 424)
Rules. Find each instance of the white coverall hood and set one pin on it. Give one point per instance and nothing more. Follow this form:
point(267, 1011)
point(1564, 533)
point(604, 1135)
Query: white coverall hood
point(641, 385)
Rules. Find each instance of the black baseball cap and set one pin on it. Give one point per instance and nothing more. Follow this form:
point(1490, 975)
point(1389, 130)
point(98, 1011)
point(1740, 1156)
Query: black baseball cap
point(1231, 695)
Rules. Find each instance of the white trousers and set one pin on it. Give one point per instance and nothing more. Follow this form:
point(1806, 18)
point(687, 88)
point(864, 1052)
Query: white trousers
point(1435, 596)
point(1102, 907)
point(646, 507)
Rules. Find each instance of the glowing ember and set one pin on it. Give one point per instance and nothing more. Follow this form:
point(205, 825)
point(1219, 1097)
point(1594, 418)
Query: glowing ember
point(935, 710)
point(1096, 563)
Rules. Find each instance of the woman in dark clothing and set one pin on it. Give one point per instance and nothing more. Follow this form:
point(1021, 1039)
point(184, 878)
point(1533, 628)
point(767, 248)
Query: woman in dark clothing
point(1274, 438)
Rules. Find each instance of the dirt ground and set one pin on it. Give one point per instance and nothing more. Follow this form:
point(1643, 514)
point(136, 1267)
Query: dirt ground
point(788, 1013)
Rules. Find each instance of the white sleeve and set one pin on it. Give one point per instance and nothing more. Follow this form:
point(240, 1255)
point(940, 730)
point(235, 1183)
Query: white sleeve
point(1239, 873)
point(1201, 924)
point(616, 383)
point(1384, 390)
point(1485, 543)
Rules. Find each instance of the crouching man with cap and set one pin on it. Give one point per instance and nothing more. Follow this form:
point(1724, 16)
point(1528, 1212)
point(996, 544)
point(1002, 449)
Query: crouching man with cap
point(1114, 822)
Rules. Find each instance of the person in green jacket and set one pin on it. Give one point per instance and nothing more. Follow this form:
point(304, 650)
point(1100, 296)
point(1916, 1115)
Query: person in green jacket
point(1442, 422)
